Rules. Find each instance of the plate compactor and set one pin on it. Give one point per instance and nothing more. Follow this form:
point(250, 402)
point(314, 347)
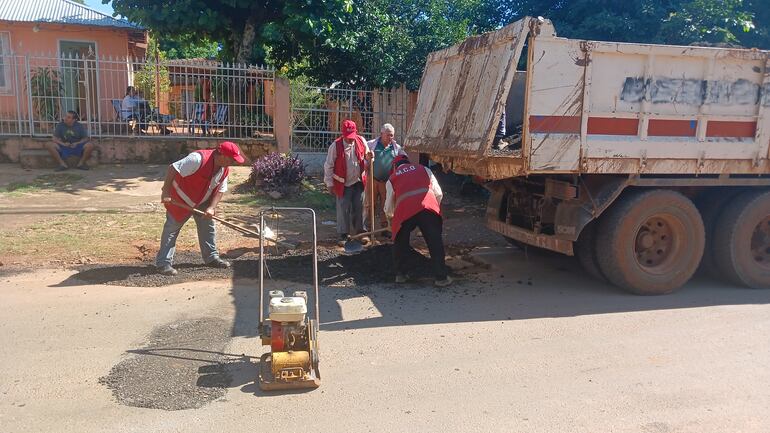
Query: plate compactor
point(292, 362)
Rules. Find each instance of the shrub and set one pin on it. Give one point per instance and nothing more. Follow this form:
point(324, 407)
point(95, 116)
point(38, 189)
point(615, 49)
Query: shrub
point(277, 172)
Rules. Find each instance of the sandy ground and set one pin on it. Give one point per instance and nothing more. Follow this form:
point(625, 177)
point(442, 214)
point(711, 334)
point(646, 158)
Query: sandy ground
point(492, 353)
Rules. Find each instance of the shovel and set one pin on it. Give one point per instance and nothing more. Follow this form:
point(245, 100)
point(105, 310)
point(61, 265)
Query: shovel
point(354, 246)
point(243, 230)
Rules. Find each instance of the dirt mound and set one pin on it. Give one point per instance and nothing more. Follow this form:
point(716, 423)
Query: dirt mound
point(374, 265)
point(182, 366)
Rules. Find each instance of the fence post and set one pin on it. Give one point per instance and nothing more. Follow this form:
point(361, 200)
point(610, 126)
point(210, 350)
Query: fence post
point(29, 96)
point(281, 120)
point(98, 123)
point(17, 86)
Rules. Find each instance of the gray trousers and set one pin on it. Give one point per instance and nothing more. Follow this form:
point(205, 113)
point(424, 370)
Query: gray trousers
point(207, 238)
point(350, 210)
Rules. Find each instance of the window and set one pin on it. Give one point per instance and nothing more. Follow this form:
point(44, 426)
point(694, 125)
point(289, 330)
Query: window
point(5, 62)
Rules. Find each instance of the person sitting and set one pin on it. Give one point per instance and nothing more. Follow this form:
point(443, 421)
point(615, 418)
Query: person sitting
point(70, 138)
point(134, 107)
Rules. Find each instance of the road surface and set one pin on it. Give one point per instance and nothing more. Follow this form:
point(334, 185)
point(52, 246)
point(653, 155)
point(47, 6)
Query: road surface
point(530, 344)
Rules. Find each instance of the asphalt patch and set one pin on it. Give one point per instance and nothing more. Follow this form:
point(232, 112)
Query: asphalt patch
point(373, 265)
point(182, 366)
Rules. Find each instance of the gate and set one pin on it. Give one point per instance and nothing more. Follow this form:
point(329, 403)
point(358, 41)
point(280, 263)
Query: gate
point(317, 114)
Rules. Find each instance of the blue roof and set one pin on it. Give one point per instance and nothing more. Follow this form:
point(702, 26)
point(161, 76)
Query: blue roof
point(58, 11)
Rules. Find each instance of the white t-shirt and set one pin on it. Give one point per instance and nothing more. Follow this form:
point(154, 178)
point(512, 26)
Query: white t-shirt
point(191, 163)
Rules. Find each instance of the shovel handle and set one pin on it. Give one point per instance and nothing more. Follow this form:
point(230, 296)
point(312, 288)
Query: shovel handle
point(373, 232)
point(236, 227)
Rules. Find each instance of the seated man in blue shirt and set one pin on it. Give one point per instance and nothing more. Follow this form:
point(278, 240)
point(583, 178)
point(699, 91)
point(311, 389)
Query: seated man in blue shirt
point(70, 138)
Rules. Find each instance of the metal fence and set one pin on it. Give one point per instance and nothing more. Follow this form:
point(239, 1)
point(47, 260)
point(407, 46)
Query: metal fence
point(122, 96)
point(317, 114)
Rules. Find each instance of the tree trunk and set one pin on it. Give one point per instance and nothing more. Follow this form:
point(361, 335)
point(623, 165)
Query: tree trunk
point(245, 45)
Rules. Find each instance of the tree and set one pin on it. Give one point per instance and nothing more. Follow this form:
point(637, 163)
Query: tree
point(384, 43)
point(152, 73)
point(184, 47)
point(242, 27)
point(655, 21)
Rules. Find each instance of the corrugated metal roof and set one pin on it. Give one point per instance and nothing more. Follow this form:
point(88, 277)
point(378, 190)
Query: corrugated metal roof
point(58, 11)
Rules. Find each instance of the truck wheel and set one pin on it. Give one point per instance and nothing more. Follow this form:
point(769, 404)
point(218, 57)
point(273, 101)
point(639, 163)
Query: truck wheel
point(650, 242)
point(710, 207)
point(742, 240)
point(585, 251)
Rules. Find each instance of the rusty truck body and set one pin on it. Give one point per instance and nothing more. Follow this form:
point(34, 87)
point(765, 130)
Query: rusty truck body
point(643, 160)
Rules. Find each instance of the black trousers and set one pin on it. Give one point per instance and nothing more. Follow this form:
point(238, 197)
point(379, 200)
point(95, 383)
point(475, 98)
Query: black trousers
point(430, 225)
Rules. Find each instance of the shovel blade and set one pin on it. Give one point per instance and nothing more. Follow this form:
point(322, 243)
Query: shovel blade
point(353, 246)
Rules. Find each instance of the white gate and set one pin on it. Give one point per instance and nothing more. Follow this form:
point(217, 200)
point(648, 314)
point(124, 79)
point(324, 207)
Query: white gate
point(317, 114)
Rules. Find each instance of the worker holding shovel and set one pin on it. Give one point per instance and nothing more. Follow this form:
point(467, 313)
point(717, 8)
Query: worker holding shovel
point(385, 150)
point(413, 200)
point(197, 181)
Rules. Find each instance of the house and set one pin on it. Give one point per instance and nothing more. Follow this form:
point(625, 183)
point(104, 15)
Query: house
point(63, 27)
point(51, 54)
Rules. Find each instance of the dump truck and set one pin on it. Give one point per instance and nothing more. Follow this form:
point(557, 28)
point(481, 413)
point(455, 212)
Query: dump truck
point(645, 161)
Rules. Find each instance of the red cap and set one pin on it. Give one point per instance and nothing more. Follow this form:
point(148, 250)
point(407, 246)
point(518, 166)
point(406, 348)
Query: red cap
point(349, 129)
point(228, 148)
point(398, 161)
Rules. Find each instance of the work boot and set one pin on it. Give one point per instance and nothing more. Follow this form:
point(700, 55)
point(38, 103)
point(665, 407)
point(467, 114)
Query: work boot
point(402, 278)
point(443, 283)
point(167, 270)
point(218, 263)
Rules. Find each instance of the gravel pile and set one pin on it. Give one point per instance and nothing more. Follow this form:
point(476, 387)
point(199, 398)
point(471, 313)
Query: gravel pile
point(374, 265)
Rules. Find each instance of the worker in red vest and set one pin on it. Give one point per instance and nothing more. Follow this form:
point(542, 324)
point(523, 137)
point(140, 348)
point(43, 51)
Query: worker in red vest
point(198, 180)
point(345, 177)
point(413, 199)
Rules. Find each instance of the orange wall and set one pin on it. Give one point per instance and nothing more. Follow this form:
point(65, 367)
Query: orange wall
point(113, 77)
point(24, 40)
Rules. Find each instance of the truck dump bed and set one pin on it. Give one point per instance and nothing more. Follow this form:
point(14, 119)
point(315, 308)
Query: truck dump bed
point(587, 107)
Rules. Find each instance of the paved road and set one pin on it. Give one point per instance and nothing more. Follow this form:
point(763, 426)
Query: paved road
point(494, 353)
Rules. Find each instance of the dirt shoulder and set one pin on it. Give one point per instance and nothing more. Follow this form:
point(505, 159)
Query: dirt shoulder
point(112, 215)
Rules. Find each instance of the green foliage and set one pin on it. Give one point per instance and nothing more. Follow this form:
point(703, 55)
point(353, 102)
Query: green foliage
point(684, 22)
point(241, 27)
point(384, 43)
point(186, 47)
point(46, 88)
point(145, 79)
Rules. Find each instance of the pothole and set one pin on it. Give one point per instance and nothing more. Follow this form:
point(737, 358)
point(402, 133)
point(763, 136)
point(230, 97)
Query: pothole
point(182, 366)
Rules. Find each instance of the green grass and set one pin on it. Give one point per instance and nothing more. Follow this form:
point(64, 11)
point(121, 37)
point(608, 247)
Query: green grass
point(312, 195)
point(70, 235)
point(44, 182)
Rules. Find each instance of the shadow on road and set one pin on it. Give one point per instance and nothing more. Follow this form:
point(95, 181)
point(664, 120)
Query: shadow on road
point(517, 286)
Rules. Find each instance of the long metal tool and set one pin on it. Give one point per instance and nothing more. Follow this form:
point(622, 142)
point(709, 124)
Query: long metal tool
point(372, 198)
point(236, 227)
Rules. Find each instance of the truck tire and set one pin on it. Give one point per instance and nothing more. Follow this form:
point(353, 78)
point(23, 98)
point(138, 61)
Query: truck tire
point(650, 242)
point(742, 240)
point(585, 251)
point(710, 207)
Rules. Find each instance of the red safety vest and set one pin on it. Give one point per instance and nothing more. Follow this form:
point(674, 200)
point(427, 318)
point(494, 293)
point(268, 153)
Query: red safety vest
point(197, 187)
point(341, 167)
point(411, 194)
